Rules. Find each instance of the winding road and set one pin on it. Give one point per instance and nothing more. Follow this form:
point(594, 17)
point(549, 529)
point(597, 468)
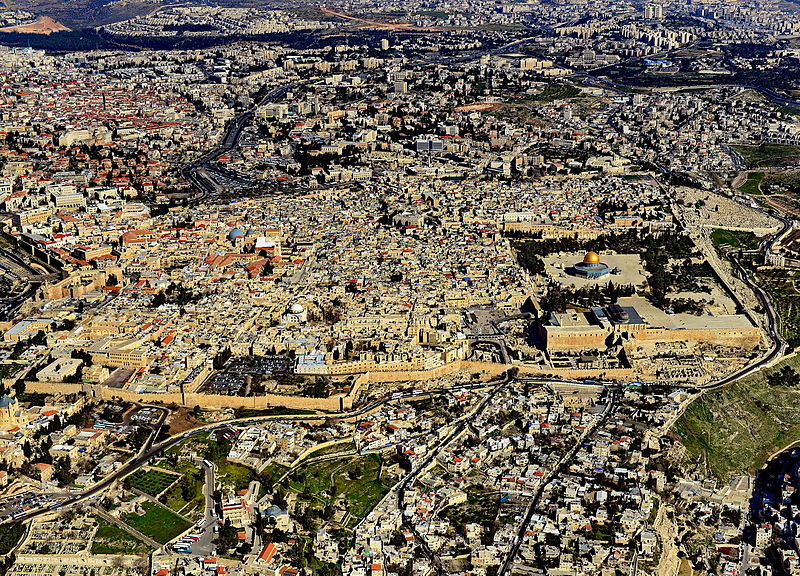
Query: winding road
point(197, 174)
point(508, 564)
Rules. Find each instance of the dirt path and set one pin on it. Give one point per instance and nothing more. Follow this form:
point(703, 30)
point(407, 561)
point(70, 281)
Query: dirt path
point(669, 564)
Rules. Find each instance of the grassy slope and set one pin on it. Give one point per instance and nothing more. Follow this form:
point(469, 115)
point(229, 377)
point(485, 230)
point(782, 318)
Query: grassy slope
point(734, 239)
point(111, 539)
point(361, 492)
point(732, 431)
point(157, 523)
point(751, 185)
point(769, 155)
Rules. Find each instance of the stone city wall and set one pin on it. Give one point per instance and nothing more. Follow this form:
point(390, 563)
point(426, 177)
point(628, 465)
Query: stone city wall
point(747, 338)
point(575, 374)
point(492, 369)
point(211, 401)
point(337, 403)
point(75, 560)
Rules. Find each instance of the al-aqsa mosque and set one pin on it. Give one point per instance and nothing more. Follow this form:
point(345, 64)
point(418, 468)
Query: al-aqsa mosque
point(591, 267)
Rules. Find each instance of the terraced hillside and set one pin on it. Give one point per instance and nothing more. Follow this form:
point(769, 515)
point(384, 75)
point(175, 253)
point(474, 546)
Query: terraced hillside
point(734, 430)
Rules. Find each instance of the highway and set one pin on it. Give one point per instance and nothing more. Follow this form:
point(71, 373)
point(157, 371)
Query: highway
point(772, 95)
point(197, 174)
point(150, 451)
point(777, 351)
point(157, 428)
point(738, 161)
point(197, 171)
point(200, 172)
point(779, 345)
point(204, 545)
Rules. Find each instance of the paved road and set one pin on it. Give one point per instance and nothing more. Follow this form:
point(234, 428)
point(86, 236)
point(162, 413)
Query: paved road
point(779, 345)
point(145, 456)
point(197, 171)
point(508, 563)
point(779, 348)
point(457, 428)
point(738, 160)
point(156, 430)
point(772, 95)
point(204, 546)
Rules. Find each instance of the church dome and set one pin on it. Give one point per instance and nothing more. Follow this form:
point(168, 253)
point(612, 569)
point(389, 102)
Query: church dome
point(235, 233)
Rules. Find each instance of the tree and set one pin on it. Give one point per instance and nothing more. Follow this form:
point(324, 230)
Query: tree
point(317, 389)
point(227, 538)
point(786, 376)
point(62, 471)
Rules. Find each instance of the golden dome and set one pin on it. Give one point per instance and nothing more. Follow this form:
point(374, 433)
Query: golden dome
point(591, 258)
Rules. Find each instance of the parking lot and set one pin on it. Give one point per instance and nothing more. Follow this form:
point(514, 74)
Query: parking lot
point(240, 371)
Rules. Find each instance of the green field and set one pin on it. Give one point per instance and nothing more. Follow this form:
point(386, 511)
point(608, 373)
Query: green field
point(356, 479)
point(554, 92)
point(751, 185)
point(231, 474)
point(158, 523)
point(733, 431)
point(110, 539)
point(152, 482)
point(766, 155)
point(787, 180)
point(235, 475)
point(733, 239)
point(186, 495)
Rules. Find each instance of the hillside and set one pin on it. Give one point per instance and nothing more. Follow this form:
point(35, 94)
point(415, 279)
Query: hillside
point(734, 430)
